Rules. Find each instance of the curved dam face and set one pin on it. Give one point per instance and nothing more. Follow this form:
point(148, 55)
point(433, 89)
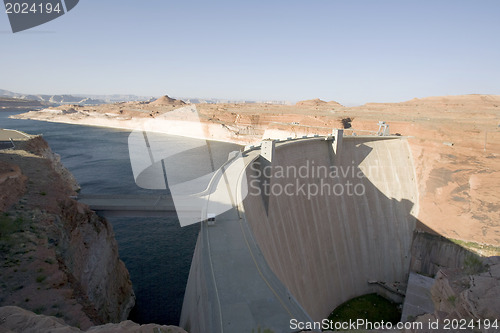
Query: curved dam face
point(330, 217)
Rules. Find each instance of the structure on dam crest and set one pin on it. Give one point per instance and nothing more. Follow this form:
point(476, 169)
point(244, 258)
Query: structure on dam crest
point(325, 219)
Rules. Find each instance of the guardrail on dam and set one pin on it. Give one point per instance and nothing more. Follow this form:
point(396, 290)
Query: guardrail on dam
point(329, 216)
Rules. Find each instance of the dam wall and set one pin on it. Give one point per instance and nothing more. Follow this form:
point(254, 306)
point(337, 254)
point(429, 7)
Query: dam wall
point(200, 309)
point(326, 241)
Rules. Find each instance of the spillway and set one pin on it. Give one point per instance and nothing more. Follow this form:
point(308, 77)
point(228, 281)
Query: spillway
point(322, 220)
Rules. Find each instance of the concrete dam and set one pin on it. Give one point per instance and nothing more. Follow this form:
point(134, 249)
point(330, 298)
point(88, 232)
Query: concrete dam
point(313, 223)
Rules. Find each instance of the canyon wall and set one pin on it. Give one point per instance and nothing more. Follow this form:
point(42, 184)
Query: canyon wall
point(58, 257)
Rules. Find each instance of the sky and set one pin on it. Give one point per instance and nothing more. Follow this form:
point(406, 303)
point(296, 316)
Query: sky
point(352, 51)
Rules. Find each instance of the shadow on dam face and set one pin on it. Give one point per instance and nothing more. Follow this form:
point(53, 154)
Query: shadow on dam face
point(328, 223)
point(320, 224)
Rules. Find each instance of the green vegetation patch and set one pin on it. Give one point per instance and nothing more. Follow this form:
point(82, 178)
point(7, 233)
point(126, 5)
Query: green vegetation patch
point(474, 265)
point(481, 249)
point(39, 310)
point(40, 278)
point(371, 307)
point(8, 227)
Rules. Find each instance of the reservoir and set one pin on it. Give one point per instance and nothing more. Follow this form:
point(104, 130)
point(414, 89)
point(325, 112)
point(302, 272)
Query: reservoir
point(156, 251)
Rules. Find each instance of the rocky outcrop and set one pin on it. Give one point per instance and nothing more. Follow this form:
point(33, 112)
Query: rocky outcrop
point(38, 146)
point(12, 184)
point(57, 256)
point(469, 293)
point(431, 252)
point(86, 245)
point(15, 319)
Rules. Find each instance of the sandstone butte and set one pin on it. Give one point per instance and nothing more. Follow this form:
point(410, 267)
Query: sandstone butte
point(455, 142)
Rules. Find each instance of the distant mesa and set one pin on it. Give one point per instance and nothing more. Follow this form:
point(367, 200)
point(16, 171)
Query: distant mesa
point(6, 102)
point(165, 100)
point(457, 99)
point(317, 102)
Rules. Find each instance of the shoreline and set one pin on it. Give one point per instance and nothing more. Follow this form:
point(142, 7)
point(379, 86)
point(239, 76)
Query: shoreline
point(180, 122)
point(132, 127)
point(199, 130)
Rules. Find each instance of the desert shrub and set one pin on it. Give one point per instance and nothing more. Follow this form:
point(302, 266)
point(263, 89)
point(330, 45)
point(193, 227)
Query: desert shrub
point(473, 265)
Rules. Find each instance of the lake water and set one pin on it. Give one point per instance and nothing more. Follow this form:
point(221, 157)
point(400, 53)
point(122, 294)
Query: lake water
point(156, 251)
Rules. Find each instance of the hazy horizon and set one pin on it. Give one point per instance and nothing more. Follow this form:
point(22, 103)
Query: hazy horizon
point(350, 52)
point(226, 98)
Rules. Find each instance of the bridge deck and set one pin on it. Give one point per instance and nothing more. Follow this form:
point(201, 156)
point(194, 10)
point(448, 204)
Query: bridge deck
point(131, 205)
